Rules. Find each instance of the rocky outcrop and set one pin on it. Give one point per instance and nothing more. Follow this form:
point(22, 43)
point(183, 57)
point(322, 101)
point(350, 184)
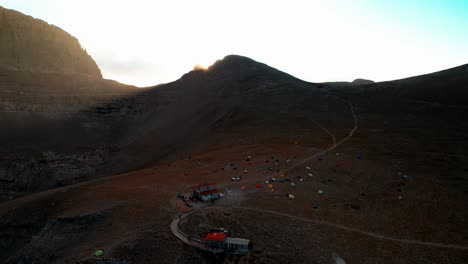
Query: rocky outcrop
point(23, 174)
point(51, 89)
point(32, 45)
point(361, 82)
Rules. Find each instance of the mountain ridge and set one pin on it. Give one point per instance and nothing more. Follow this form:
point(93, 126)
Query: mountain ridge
point(28, 44)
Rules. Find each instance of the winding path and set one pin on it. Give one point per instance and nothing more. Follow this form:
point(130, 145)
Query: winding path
point(332, 147)
point(198, 244)
point(181, 235)
point(354, 230)
point(326, 131)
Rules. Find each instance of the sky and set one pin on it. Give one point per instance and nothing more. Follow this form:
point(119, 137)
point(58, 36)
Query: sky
point(150, 42)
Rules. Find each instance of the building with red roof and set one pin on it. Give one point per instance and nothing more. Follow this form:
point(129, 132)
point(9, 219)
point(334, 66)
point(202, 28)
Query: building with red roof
point(206, 192)
point(215, 237)
point(215, 241)
point(220, 242)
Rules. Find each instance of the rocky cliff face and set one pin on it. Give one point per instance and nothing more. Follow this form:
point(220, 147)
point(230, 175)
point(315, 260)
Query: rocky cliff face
point(32, 45)
point(51, 89)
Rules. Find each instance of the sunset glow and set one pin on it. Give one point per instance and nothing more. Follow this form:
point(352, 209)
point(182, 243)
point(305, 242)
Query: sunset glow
point(150, 42)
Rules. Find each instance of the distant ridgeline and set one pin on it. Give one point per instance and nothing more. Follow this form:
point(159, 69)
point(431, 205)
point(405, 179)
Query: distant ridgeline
point(32, 45)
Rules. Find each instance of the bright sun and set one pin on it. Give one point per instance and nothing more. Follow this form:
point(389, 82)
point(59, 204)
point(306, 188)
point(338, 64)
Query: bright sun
point(200, 67)
point(205, 63)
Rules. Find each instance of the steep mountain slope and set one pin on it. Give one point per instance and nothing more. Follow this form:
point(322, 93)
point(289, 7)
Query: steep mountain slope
point(394, 192)
point(235, 92)
point(32, 45)
point(117, 126)
point(61, 123)
point(47, 82)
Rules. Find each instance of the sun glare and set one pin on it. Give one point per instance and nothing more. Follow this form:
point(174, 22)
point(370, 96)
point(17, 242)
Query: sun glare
point(202, 66)
point(199, 67)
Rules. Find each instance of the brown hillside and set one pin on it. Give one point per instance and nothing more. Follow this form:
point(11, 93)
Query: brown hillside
point(377, 172)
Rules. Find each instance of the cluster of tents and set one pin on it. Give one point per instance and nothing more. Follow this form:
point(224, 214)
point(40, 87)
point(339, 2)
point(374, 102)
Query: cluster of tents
point(269, 183)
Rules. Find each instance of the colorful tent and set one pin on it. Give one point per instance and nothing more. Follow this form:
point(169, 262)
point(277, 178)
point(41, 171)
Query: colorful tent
point(98, 252)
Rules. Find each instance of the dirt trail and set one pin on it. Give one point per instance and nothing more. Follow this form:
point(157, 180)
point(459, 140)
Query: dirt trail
point(326, 131)
point(185, 239)
point(350, 229)
point(181, 235)
point(332, 147)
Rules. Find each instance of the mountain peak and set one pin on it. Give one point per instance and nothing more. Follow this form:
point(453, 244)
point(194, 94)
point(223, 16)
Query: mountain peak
point(31, 45)
point(231, 61)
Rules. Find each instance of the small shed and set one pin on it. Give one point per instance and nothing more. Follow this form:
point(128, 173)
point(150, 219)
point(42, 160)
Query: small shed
point(237, 245)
